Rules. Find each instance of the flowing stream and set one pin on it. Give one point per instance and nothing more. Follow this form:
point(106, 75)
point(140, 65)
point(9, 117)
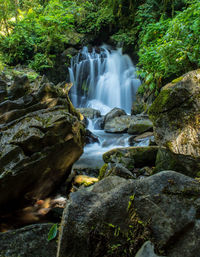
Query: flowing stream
point(102, 79)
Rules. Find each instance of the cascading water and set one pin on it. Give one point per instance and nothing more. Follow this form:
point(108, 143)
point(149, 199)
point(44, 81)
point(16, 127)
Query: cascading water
point(103, 80)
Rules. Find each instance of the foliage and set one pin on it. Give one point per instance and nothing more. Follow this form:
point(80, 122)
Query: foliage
point(170, 47)
point(93, 18)
point(53, 232)
point(165, 33)
point(40, 35)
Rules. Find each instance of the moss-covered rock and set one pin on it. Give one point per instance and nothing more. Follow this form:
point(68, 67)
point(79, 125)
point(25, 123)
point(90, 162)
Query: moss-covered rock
point(176, 115)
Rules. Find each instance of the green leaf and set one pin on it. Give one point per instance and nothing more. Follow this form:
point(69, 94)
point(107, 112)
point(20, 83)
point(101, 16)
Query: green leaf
point(53, 232)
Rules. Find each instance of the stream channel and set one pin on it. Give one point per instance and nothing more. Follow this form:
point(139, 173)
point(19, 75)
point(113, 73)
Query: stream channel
point(102, 79)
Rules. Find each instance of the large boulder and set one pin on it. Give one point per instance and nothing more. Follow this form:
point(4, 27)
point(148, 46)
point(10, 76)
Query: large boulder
point(30, 241)
point(176, 115)
point(116, 216)
point(40, 139)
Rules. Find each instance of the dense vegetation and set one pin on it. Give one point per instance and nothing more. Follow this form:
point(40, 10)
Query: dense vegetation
point(164, 34)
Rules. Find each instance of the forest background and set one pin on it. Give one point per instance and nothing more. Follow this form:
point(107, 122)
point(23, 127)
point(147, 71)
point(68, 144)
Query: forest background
point(162, 35)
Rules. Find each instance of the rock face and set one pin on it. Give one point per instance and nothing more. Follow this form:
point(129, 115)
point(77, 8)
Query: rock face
point(167, 160)
point(29, 241)
point(117, 214)
point(176, 115)
point(40, 138)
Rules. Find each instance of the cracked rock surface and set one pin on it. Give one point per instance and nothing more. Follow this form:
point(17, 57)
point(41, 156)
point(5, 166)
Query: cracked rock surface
point(41, 136)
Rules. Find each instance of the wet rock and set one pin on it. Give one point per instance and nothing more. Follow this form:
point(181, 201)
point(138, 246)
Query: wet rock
point(90, 138)
point(116, 112)
point(163, 208)
point(41, 137)
point(28, 241)
point(99, 123)
point(118, 124)
point(89, 113)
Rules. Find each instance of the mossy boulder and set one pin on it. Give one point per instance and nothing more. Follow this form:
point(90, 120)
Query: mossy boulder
point(176, 115)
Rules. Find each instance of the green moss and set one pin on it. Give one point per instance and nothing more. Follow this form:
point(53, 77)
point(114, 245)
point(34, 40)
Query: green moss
point(102, 171)
point(177, 80)
point(159, 105)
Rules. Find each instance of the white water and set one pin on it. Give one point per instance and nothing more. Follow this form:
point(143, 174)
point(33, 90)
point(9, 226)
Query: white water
point(103, 80)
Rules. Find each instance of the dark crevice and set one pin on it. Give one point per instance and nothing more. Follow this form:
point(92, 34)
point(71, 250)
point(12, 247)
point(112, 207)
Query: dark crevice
point(178, 236)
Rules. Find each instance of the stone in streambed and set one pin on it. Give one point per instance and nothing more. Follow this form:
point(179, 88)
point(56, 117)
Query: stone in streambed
point(118, 124)
point(116, 112)
point(89, 113)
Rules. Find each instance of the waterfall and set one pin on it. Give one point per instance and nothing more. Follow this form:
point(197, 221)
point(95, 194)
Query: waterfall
point(103, 79)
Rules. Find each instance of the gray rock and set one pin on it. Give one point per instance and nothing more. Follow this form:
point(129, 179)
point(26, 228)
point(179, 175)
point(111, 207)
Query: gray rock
point(147, 250)
point(140, 126)
point(89, 113)
point(167, 160)
point(40, 139)
point(116, 112)
point(107, 214)
point(28, 242)
point(118, 124)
